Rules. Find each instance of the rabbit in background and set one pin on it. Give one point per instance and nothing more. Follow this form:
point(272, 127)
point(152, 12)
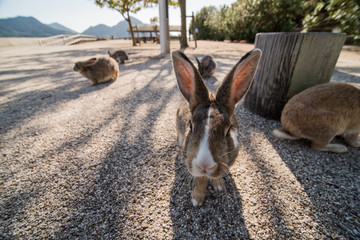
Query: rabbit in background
point(119, 56)
point(206, 66)
point(322, 112)
point(98, 70)
point(206, 124)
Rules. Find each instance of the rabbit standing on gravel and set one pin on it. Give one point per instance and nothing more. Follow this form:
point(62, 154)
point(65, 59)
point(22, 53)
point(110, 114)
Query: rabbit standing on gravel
point(98, 70)
point(119, 56)
point(206, 123)
point(322, 112)
point(206, 66)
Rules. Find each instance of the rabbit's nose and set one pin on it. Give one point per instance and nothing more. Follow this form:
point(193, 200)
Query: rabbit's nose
point(205, 167)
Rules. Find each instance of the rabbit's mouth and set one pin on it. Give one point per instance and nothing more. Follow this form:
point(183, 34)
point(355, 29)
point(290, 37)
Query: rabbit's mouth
point(200, 169)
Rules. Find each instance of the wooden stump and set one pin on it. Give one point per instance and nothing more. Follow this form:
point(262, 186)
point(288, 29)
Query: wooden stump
point(290, 63)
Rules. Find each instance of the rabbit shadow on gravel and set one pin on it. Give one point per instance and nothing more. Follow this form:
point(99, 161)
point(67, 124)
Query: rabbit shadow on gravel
point(208, 164)
point(98, 204)
point(222, 210)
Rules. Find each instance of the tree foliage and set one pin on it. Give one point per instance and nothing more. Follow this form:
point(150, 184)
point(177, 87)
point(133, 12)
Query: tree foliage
point(124, 7)
point(245, 18)
point(328, 14)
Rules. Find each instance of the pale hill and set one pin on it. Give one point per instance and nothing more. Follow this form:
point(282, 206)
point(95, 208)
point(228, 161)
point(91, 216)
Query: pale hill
point(117, 31)
point(26, 27)
point(62, 28)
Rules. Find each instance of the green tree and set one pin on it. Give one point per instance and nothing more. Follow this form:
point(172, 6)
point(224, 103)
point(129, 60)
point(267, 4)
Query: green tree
point(270, 16)
point(124, 7)
point(245, 18)
point(328, 14)
point(201, 22)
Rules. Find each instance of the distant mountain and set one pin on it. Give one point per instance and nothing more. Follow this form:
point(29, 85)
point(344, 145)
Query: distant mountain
point(26, 27)
point(100, 30)
point(117, 31)
point(62, 28)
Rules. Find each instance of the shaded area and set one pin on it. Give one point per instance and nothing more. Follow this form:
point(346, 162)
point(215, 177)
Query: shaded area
point(212, 220)
point(99, 202)
point(117, 173)
point(331, 181)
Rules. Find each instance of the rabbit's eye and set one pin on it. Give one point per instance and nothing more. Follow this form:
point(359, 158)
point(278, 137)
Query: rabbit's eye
point(190, 125)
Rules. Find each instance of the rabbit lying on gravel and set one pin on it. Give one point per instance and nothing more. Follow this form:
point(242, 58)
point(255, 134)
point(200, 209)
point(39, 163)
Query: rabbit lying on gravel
point(98, 70)
point(322, 112)
point(206, 123)
point(206, 66)
point(119, 56)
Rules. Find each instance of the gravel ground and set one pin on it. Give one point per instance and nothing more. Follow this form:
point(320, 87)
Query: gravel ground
point(102, 162)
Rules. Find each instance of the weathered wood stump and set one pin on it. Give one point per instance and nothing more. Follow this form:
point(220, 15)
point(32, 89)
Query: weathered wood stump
point(290, 63)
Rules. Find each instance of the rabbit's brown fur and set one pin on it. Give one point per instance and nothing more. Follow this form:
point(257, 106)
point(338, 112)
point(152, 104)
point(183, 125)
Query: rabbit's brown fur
point(98, 70)
point(206, 124)
point(322, 112)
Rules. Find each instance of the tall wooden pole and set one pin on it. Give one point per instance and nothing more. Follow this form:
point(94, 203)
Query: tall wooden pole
point(194, 32)
point(183, 40)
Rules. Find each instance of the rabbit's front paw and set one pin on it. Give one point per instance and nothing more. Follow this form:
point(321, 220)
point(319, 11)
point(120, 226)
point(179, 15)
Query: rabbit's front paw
point(218, 184)
point(198, 194)
point(197, 198)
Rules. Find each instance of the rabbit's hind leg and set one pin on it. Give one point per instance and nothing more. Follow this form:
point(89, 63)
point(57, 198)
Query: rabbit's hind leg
point(326, 146)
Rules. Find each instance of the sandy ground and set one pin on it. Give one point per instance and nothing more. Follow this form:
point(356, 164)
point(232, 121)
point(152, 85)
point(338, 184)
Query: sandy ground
point(102, 162)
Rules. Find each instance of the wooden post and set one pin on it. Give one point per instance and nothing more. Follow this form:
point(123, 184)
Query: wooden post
point(193, 29)
point(194, 32)
point(290, 63)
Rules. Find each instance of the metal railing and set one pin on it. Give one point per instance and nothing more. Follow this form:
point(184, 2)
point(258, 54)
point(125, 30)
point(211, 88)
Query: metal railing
point(66, 39)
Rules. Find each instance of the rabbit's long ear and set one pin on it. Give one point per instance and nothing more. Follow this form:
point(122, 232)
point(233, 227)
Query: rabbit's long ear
point(238, 80)
point(206, 62)
point(90, 62)
point(198, 62)
point(189, 80)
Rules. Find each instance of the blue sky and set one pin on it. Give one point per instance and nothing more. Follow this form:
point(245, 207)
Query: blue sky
point(81, 14)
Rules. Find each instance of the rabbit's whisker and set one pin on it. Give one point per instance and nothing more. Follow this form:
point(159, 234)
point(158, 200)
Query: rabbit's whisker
point(227, 153)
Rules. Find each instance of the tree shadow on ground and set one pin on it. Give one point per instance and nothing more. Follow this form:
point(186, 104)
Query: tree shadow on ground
point(67, 84)
point(342, 74)
point(98, 209)
point(125, 173)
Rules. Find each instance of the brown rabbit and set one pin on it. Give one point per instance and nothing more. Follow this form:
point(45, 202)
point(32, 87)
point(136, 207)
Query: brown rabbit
point(119, 56)
point(322, 112)
point(98, 70)
point(206, 123)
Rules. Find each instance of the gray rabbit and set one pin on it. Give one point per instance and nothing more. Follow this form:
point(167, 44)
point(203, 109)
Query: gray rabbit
point(206, 66)
point(119, 56)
